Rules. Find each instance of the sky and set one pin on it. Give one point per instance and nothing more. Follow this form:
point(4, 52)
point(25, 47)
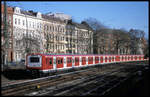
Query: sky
point(118, 15)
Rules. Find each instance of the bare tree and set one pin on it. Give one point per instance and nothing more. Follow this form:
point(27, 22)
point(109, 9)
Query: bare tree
point(95, 24)
point(98, 35)
point(136, 37)
point(27, 45)
point(121, 41)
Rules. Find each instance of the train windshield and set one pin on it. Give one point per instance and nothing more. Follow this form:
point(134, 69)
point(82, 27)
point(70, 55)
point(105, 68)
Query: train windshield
point(34, 59)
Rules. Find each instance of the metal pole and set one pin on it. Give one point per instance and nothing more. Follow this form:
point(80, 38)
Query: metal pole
point(5, 35)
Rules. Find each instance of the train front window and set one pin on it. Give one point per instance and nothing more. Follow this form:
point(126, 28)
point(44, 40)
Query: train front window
point(34, 59)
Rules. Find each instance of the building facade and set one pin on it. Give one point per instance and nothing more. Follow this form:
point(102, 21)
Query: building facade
point(34, 32)
point(28, 33)
point(7, 35)
point(54, 33)
point(84, 39)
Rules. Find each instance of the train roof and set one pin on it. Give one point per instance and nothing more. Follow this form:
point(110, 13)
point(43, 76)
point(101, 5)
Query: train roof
point(61, 54)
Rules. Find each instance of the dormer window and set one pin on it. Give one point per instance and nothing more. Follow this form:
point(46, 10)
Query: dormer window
point(17, 10)
point(38, 15)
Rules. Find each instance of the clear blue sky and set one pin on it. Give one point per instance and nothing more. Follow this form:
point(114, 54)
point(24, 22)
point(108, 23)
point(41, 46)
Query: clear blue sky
point(117, 15)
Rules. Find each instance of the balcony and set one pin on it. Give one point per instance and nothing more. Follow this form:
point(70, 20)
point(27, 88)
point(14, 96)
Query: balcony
point(51, 40)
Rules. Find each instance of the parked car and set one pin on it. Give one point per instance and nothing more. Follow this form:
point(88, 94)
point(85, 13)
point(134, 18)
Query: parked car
point(22, 62)
point(12, 64)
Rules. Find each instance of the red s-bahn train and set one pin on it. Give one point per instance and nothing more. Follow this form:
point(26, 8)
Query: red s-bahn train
point(44, 63)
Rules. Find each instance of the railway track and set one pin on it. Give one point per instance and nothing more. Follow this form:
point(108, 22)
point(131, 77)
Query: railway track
point(66, 84)
point(19, 88)
point(105, 81)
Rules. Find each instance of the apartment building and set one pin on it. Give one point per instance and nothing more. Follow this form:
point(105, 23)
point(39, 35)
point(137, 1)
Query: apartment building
point(7, 35)
point(27, 33)
point(34, 32)
point(54, 33)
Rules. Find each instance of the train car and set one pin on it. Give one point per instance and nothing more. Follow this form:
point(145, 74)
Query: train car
point(44, 63)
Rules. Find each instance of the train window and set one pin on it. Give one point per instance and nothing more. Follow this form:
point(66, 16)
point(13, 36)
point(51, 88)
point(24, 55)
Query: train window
point(97, 58)
point(69, 60)
point(90, 58)
point(34, 59)
point(76, 59)
point(51, 61)
point(109, 58)
point(83, 59)
point(105, 58)
point(113, 58)
point(61, 61)
point(102, 58)
point(58, 61)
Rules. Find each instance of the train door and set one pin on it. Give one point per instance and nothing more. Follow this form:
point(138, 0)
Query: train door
point(96, 59)
point(131, 58)
point(106, 59)
point(76, 61)
point(101, 59)
point(139, 57)
point(128, 58)
point(109, 58)
point(112, 58)
point(135, 57)
point(69, 61)
point(59, 62)
point(49, 63)
point(117, 58)
point(90, 60)
point(83, 60)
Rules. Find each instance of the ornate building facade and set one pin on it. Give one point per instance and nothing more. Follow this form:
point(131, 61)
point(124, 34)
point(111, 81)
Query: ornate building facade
point(34, 32)
point(27, 33)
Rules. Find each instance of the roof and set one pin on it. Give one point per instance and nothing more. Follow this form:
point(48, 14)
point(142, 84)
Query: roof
point(80, 54)
point(28, 13)
point(51, 18)
point(80, 26)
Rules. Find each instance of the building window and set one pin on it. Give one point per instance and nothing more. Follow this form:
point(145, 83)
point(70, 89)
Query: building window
point(33, 24)
point(15, 21)
point(18, 21)
point(30, 24)
point(23, 23)
point(37, 25)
